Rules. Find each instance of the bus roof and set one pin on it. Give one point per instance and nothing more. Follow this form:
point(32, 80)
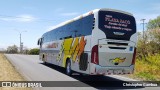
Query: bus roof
point(72, 20)
point(86, 14)
point(115, 10)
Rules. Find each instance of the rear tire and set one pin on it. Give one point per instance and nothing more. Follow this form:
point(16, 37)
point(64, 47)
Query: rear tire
point(83, 64)
point(43, 59)
point(45, 63)
point(68, 67)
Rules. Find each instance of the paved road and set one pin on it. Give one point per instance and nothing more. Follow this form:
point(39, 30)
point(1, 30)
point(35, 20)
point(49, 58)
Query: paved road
point(34, 70)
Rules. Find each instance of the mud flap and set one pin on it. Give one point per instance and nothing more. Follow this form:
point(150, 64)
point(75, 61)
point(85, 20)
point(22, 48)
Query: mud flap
point(83, 63)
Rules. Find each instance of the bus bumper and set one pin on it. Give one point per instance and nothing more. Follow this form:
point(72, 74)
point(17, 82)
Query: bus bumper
point(101, 70)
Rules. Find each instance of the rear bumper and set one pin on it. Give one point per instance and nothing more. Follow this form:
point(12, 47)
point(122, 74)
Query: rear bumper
point(101, 70)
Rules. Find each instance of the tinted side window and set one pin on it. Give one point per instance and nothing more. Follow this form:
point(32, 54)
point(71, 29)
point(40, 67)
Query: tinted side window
point(87, 25)
point(81, 27)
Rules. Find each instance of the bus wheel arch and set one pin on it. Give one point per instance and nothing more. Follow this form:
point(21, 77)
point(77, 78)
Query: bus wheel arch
point(68, 66)
point(44, 58)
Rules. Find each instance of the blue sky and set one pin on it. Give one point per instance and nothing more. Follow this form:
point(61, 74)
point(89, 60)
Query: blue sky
point(38, 16)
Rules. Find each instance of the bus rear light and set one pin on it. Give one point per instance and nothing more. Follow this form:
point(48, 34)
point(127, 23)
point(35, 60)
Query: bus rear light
point(94, 55)
point(134, 57)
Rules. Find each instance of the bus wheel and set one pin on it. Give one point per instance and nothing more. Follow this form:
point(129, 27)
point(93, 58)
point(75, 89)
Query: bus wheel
point(43, 59)
point(68, 67)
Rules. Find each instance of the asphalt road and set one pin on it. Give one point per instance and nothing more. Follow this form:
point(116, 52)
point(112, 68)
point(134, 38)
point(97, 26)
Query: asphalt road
point(34, 70)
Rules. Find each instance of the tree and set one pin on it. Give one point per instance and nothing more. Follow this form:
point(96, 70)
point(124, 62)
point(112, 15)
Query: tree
point(155, 23)
point(25, 50)
point(150, 44)
point(34, 51)
point(12, 49)
point(154, 33)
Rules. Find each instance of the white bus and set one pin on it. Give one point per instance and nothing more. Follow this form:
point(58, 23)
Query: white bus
point(100, 42)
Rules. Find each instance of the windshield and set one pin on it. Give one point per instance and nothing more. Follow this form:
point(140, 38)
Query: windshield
point(116, 25)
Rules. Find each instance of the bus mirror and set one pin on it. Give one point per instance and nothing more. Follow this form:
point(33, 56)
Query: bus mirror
point(38, 42)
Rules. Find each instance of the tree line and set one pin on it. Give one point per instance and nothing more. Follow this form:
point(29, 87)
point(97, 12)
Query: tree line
point(14, 50)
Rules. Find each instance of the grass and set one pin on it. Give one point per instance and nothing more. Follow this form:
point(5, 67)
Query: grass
point(147, 69)
point(8, 73)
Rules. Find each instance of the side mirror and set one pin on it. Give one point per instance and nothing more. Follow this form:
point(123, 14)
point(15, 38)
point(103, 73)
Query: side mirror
point(39, 40)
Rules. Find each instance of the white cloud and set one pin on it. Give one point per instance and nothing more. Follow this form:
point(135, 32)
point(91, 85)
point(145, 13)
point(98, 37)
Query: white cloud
point(26, 18)
point(19, 18)
point(69, 14)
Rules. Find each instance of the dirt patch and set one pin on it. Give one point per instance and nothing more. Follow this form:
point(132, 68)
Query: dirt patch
point(9, 73)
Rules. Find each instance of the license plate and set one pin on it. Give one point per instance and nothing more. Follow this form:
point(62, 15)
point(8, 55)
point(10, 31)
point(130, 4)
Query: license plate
point(117, 71)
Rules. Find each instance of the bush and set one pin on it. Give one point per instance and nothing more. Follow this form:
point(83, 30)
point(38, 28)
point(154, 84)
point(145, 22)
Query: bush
point(34, 51)
point(12, 49)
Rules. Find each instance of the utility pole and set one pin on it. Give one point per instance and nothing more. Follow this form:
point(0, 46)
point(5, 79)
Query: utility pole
point(143, 26)
point(144, 47)
point(21, 43)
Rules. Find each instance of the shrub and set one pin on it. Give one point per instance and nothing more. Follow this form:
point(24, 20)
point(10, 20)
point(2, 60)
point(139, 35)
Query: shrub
point(34, 51)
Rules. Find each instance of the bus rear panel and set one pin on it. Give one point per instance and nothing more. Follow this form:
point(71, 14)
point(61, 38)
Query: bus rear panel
point(113, 43)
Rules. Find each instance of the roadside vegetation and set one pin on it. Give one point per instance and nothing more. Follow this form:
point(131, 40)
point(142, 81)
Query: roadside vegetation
point(147, 65)
point(34, 51)
point(14, 50)
point(8, 73)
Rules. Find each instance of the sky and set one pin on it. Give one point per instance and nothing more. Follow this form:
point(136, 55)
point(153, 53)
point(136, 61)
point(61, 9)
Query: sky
point(32, 18)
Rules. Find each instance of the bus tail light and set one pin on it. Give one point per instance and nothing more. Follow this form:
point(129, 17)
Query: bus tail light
point(134, 57)
point(94, 55)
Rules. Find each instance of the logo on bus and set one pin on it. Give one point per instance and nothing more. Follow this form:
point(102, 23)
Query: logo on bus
point(117, 60)
point(118, 33)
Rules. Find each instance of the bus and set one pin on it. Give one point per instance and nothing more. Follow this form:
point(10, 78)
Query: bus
point(100, 42)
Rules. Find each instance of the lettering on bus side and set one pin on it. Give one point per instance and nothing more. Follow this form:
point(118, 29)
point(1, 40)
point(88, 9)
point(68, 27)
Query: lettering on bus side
point(52, 45)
